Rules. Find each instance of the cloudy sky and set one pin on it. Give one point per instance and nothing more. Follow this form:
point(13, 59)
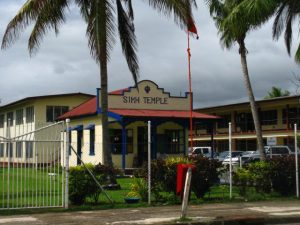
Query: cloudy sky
point(63, 63)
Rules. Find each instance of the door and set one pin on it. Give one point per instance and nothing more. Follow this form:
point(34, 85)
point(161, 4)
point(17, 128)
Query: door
point(142, 145)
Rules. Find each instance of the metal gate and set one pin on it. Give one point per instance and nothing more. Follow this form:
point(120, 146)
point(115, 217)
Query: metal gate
point(31, 167)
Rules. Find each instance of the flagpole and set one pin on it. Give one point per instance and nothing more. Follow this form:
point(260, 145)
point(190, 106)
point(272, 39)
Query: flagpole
point(190, 90)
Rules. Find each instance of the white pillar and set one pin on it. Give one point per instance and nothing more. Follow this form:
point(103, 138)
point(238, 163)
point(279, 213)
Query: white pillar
point(149, 162)
point(67, 164)
point(186, 192)
point(296, 161)
point(230, 163)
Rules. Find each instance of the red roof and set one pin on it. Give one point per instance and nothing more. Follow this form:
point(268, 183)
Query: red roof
point(90, 108)
point(87, 108)
point(161, 113)
point(118, 92)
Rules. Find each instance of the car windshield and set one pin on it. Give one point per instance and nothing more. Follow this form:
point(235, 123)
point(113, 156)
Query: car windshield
point(223, 154)
point(235, 154)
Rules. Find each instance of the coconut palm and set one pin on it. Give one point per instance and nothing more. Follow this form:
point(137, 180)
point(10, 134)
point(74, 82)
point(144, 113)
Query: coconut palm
point(233, 30)
point(277, 92)
point(103, 18)
point(287, 12)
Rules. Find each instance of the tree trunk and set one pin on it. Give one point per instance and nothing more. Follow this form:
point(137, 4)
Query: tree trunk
point(102, 53)
point(243, 53)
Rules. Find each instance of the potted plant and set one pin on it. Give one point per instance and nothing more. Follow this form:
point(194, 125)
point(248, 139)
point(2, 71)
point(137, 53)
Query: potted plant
point(132, 197)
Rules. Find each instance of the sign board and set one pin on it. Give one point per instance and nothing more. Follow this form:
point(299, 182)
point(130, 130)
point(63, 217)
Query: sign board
point(271, 141)
point(147, 95)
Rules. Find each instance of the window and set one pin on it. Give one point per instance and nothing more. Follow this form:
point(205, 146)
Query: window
point(19, 149)
point(246, 145)
point(19, 116)
point(223, 122)
point(116, 141)
point(30, 114)
point(292, 115)
point(10, 119)
point(268, 117)
point(92, 141)
point(53, 112)
point(174, 141)
point(9, 150)
point(2, 121)
point(245, 122)
point(29, 149)
point(1, 149)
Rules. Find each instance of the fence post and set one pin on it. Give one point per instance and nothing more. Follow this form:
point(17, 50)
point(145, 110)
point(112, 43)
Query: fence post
point(149, 162)
point(230, 163)
point(296, 161)
point(67, 164)
point(186, 193)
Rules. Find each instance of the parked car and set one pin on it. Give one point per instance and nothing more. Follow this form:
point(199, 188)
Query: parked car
point(204, 151)
point(277, 150)
point(235, 158)
point(222, 155)
point(249, 158)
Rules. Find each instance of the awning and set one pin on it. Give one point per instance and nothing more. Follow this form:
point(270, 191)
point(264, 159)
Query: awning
point(90, 127)
point(78, 127)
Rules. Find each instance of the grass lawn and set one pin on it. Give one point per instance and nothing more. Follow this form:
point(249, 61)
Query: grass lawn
point(30, 187)
point(35, 194)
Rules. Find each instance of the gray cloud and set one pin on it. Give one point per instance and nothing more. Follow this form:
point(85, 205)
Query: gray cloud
point(63, 64)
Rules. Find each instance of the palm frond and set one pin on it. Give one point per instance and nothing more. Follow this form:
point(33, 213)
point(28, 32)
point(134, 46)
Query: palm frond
point(130, 9)
point(128, 41)
point(180, 9)
point(85, 7)
point(50, 17)
point(278, 24)
point(101, 29)
point(297, 55)
point(288, 32)
point(26, 15)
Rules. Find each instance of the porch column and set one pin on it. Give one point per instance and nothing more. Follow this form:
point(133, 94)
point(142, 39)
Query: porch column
point(124, 145)
point(153, 139)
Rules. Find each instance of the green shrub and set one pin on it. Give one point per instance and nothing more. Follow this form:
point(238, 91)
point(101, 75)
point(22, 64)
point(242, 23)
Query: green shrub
point(139, 188)
point(77, 185)
point(206, 175)
point(164, 175)
point(242, 179)
point(283, 175)
point(261, 176)
point(83, 185)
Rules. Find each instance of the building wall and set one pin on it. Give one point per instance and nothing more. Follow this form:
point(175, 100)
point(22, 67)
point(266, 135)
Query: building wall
point(117, 158)
point(280, 130)
point(49, 150)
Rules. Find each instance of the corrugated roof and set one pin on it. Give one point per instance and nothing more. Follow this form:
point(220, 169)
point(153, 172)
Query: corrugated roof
point(87, 108)
point(247, 103)
point(161, 113)
point(118, 92)
point(90, 108)
point(43, 97)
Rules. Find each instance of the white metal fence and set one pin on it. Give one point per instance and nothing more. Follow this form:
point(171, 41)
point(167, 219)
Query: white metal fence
point(31, 171)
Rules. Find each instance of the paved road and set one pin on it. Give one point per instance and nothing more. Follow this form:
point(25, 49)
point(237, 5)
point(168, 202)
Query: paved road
point(275, 212)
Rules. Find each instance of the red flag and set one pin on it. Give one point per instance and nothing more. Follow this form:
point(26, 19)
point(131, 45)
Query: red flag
point(192, 28)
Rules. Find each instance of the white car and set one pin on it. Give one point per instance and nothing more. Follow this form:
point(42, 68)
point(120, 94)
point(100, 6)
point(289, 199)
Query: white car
point(235, 157)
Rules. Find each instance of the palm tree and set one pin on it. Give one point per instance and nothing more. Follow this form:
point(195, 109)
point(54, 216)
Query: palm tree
point(101, 26)
point(277, 92)
point(287, 12)
point(232, 30)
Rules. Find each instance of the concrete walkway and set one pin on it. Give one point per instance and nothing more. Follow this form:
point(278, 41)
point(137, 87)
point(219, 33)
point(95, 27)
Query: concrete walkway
point(273, 212)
